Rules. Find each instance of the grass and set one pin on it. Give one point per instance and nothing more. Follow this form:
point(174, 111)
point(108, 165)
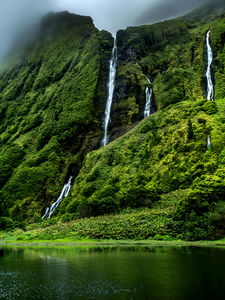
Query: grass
point(143, 225)
point(84, 242)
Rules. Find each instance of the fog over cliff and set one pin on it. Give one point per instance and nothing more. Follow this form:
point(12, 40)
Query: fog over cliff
point(20, 19)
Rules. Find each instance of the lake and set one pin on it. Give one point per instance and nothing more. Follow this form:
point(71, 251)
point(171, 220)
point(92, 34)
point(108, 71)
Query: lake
point(111, 272)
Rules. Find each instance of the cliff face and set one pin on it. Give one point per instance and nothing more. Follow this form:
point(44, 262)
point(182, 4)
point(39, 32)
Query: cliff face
point(51, 108)
point(168, 150)
point(53, 100)
point(170, 55)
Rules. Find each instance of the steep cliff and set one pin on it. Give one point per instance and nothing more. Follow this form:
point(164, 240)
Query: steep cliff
point(51, 105)
point(168, 150)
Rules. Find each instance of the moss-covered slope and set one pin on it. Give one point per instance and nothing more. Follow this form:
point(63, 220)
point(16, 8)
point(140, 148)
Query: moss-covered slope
point(166, 151)
point(51, 102)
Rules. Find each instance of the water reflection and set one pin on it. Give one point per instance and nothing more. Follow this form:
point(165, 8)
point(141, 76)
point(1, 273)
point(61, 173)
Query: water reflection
point(111, 272)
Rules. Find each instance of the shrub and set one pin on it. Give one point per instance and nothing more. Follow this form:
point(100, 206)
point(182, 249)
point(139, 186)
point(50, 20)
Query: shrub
point(72, 207)
point(93, 175)
point(138, 197)
point(206, 190)
point(6, 223)
point(68, 217)
point(217, 220)
point(106, 191)
point(89, 189)
point(193, 227)
point(210, 107)
point(104, 206)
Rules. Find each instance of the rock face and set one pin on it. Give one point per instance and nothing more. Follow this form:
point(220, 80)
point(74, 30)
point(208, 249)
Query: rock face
point(129, 93)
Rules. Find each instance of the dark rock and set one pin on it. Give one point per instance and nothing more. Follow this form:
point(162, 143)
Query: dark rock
point(192, 55)
point(164, 68)
point(153, 107)
point(127, 54)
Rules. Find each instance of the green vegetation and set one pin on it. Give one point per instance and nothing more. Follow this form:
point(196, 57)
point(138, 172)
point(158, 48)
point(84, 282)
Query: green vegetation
point(158, 181)
point(47, 107)
point(131, 224)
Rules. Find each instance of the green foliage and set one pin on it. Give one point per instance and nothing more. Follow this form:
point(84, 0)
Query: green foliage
point(206, 190)
point(51, 94)
point(210, 107)
point(102, 206)
point(88, 190)
point(68, 217)
point(6, 223)
point(138, 197)
point(217, 220)
point(51, 106)
point(10, 157)
point(192, 227)
point(93, 175)
point(190, 133)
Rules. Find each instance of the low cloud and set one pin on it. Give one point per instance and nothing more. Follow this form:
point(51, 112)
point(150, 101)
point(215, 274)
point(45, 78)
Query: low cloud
point(20, 19)
point(167, 9)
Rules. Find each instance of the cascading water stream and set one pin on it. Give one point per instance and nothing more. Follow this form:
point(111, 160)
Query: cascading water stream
point(208, 76)
point(208, 142)
point(64, 193)
point(111, 86)
point(208, 72)
point(148, 93)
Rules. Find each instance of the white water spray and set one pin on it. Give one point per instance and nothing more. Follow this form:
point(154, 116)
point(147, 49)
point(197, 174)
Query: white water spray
point(208, 142)
point(208, 76)
point(111, 86)
point(208, 72)
point(148, 93)
point(64, 193)
point(149, 81)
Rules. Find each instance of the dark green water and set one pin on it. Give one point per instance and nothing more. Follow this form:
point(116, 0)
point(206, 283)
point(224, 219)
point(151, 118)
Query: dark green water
point(112, 273)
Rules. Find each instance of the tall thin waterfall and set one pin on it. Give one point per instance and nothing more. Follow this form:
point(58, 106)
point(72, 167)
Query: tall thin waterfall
point(148, 93)
point(208, 142)
point(111, 86)
point(208, 76)
point(208, 72)
point(64, 193)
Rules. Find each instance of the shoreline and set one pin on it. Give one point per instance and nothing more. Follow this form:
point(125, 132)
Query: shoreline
point(94, 243)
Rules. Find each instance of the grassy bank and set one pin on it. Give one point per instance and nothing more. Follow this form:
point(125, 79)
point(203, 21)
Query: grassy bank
point(143, 225)
point(10, 242)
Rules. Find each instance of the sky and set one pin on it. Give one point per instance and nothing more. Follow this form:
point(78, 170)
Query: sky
point(20, 18)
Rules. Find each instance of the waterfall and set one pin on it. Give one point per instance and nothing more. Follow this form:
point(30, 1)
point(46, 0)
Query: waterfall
point(208, 76)
point(111, 85)
point(64, 193)
point(208, 72)
point(208, 142)
point(149, 81)
point(148, 93)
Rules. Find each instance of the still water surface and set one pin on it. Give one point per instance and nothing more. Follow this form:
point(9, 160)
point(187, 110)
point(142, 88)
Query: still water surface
point(110, 272)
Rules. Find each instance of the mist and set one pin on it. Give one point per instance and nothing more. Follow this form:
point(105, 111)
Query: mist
point(20, 19)
point(165, 10)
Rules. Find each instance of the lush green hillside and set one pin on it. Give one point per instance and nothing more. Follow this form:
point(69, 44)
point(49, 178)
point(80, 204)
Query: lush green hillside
point(52, 103)
point(166, 151)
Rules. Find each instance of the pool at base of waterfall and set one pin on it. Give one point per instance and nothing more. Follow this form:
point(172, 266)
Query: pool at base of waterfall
point(112, 272)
